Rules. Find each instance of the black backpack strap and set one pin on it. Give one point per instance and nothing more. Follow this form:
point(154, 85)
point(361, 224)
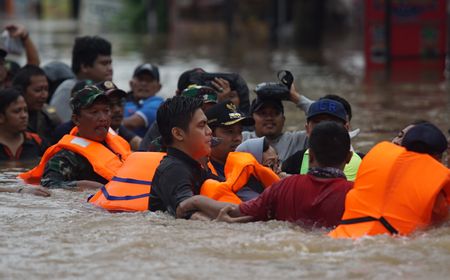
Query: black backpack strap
point(382, 220)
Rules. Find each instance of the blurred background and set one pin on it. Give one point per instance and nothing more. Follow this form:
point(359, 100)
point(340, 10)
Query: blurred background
point(386, 57)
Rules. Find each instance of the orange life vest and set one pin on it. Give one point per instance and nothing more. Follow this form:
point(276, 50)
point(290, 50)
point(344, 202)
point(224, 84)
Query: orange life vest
point(238, 169)
point(103, 160)
point(129, 189)
point(394, 192)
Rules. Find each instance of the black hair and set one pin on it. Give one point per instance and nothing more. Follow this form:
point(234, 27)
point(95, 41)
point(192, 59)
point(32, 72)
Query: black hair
point(330, 143)
point(23, 77)
point(266, 144)
point(86, 50)
point(185, 78)
point(176, 112)
point(343, 101)
point(8, 96)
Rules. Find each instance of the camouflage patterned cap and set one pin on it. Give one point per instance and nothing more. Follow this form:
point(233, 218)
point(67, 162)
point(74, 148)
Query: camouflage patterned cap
point(207, 94)
point(85, 97)
point(109, 88)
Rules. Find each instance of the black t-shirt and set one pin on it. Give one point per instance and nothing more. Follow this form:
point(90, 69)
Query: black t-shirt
point(29, 150)
point(177, 178)
point(293, 163)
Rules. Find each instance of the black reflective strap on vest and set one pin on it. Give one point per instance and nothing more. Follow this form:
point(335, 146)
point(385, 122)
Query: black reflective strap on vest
point(382, 220)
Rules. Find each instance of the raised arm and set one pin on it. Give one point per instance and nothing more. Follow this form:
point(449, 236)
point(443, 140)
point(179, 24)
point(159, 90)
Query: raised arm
point(19, 31)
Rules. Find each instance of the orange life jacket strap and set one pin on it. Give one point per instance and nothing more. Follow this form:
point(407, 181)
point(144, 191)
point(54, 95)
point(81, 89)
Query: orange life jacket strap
point(382, 220)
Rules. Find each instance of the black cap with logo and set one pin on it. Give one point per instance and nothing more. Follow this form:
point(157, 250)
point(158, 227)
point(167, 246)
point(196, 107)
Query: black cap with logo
point(225, 114)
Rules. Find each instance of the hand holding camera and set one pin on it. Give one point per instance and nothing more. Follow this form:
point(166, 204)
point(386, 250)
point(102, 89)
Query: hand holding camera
point(282, 90)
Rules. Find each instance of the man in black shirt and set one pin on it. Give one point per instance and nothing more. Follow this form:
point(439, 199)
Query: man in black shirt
point(185, 132)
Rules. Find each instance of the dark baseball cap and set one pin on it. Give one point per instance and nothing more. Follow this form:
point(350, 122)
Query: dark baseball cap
point(225, 113)
point(147, 68)
point(259, 102)
point(207, 94)
point(109, 88)
point(425, 138)
point(327, 107)
point(85, 97)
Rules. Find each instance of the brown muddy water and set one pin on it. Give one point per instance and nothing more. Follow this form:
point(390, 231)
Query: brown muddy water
point(63, 237)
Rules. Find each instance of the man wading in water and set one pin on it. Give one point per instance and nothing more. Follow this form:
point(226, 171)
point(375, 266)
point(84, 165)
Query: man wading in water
point(315, 199)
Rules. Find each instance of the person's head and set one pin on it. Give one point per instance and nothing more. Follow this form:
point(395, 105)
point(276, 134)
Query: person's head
point(227, 124)
point(329, 145)
point(57, 72)
point(263, 152)
point(91, 113)
point(207, 94)
point(91, 58)
point(184, 126)
point(33, 83)
point(425, 138)
point(145, 81)
point(116, 98)
point(3, 71)
point(401, 134)
point(269, 117)
point(325, 110)
point(13, 111)
point(12, 68)
point(185, 79)
point(343, 101)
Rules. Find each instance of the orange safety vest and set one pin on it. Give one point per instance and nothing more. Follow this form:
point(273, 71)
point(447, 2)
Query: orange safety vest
point(394, 192)
point(238, 169)
point(103, 160)
point(129, 189)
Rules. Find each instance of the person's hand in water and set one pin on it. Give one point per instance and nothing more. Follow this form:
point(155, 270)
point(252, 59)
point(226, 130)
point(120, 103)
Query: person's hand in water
point(224, 216)
point(39, 191)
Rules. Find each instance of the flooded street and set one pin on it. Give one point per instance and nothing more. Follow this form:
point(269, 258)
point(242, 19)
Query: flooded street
point(64, 237)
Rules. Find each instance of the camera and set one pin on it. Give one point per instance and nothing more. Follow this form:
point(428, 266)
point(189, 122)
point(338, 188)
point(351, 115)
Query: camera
point(276, 90)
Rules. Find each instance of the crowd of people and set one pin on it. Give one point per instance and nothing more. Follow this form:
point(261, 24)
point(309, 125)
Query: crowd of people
point(208, 152)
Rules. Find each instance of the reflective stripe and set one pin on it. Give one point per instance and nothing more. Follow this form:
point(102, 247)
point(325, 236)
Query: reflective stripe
point(126, 197)
point(131, 181)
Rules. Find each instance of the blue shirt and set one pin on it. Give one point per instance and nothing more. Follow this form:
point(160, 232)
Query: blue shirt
point(146, 109)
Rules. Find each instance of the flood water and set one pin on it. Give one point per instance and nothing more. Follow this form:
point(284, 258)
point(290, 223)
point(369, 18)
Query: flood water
point(65, 237)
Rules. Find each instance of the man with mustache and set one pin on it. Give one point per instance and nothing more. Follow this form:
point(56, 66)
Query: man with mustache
point(90, 155)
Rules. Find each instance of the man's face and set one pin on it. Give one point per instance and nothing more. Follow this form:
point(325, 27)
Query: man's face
point(15, 118)
point(36, 93)
point(116, 103)
point(93, 122)
point(144, 86)
point(230, 137)
point(269, 121)
point(101, 69)
point(197, 139)
point(401, 134)
point(312, 122)
point(3, 72)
